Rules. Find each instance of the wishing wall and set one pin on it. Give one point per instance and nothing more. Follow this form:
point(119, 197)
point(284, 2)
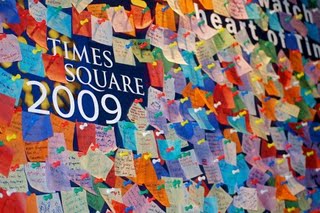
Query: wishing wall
point(159, 106)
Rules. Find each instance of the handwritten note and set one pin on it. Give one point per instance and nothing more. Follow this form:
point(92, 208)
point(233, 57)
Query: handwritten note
point(101, 31)
point(96, 163)
point(15, 181)
point(36, 176)
point(124, 165)
point(122, 54)
point(9, 87)
point(105, 138)
point(74, 200)
point(189, 164)
point(49, 203)
point(138, 115)
point(9, 49)
point(133, 198)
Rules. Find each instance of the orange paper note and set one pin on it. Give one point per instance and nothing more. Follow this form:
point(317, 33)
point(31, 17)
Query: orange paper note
point(66, 127)
point(141, 16)
point(165, 17)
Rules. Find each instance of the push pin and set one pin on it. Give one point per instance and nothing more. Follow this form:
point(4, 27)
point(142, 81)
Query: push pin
point(123, 154)
point(145, 10)
point(118, 8)
point(310, 153)
point(84, 21)
point(143, 45)
point(2, 36)
point(270, 145)
point(56, 164)
point(129, 45)
point(83, 126)
point(173, 36)
point(197, 68)
point(11, 137)
point(184, 99)
point(154, 161)
point(164, 9)
point(173, 44)
point(16, 77)
point(140, 100)
point(183, 123)
point(235, 171)
point(185, 35)
point(170, 149)
point(176, 70)
point(217, 104)
point(159, 133)
point(201, 141)
point(154, 27)
point(210, 66)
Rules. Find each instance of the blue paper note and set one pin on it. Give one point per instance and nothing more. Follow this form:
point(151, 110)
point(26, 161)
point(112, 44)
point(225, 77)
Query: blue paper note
point(160, 171)
point(31, 60)
point(169, 149)
point(127, 131)
point(9, 87)
point(59, 21)
point(185, 132)
point(198, 133)
point(36, 127)
point(8, 10)
point(291, 41)
point(209, 84)
point(213, 120)
point(313, 31)
point(184, 110)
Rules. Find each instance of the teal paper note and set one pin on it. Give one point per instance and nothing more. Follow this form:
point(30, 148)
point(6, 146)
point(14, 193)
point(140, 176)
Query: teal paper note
point(59, 21)
point(169, 149)
point(9, 87)
point(31, 60)
point(127, 131)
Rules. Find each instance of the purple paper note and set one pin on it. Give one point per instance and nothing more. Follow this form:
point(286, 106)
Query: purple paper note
point(285, 21)
point(267, 196)
point(10, 49)
point(203, 153)
point(175, 169)
point(57, 150)
point(105, 137)
point(215, 143)
point(133, 198)
point(57, 176)
point(256, 176)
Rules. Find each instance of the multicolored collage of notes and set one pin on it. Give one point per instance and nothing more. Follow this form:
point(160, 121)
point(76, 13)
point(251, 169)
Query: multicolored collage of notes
point(178, 106)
